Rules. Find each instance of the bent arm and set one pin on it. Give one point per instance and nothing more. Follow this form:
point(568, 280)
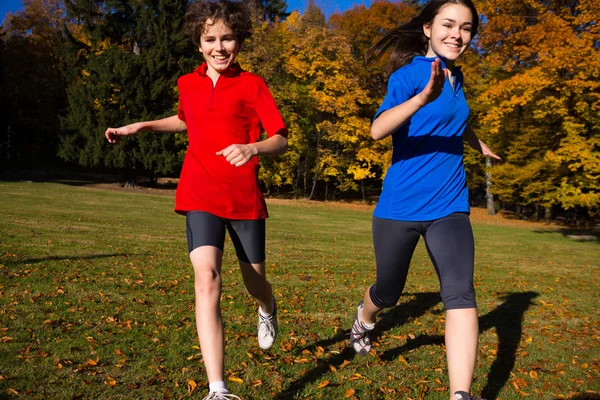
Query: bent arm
point(170, 124)
point(477, 144)
point(273, 146)
point(395, 117)
point(240, 154)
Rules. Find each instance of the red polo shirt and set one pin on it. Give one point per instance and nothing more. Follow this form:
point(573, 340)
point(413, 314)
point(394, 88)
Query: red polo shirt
point(234, 111)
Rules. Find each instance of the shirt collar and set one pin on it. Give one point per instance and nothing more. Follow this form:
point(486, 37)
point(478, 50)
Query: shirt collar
point(230, 72)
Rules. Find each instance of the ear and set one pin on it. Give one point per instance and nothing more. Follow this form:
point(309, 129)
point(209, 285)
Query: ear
point(427, 30)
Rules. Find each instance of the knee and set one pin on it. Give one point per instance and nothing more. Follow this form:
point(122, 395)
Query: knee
point(207, 281)
point(382, 299)
point(459, 296)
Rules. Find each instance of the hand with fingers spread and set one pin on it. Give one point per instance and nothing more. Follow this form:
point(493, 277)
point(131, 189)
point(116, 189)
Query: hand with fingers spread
point(485, 150)
point(113, 134)
point(238, 154)
point(436, 83)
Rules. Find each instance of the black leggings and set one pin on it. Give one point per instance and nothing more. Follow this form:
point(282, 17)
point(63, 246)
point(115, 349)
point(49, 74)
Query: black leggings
point(450, 245)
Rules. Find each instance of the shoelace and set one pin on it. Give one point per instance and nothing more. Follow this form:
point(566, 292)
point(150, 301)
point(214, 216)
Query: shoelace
point(360, 333)
point(221, 396)
point(264, 321)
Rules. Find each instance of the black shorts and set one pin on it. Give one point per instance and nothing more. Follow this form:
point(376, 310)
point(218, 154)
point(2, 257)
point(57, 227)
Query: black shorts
point(248, 236)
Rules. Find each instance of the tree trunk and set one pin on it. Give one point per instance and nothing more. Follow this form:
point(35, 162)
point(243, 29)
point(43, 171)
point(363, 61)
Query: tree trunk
point(318, 168)
point(362, 187)
point(491, 209)
point(548, 213)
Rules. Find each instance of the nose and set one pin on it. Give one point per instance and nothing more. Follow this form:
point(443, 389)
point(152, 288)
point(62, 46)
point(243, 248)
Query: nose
point(220, 46)
point(455, 32)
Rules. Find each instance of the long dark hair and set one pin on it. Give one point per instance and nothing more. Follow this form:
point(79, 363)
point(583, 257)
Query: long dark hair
point(409, 40)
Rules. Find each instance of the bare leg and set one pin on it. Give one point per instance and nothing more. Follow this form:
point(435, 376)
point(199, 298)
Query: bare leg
point(255, 280)
point(370, 310)
point(462, 330)
point(209, 323)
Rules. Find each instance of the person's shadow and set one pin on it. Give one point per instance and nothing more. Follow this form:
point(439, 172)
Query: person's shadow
point(506, 318)
point(395, 316)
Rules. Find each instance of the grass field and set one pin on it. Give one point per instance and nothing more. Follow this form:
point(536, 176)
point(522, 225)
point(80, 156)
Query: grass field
point(96, 302)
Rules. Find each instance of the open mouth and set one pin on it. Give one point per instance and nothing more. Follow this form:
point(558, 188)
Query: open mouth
point(221, 58)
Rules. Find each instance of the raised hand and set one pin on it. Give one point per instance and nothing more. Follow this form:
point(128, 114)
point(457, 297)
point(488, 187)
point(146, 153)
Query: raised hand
point(436, 82)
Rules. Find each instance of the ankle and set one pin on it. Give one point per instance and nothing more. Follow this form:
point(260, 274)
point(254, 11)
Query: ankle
point(361, 318)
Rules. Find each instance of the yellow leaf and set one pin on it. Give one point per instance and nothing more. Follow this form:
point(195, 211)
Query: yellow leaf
point(346, 362)
point(349, 393)
point(533, 374)
point(584, 366)
point(236, 379)
point(191, 385)
point(332, 368)
point(529, 339)
point(91, 362)
point(323, 384)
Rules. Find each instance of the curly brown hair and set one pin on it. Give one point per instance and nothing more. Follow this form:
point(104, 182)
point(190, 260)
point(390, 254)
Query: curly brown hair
point(234, 14)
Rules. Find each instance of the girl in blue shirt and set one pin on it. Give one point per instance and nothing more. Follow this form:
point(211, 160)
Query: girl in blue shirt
point(425, 189)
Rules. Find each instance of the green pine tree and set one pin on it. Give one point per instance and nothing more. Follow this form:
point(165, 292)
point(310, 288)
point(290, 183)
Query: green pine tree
point(124, 66)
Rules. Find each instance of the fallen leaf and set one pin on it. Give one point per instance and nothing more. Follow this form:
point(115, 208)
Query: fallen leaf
point(323, 384)
point(236, 379)
point(332, 368)
point(191, 385)
point(349, 393)
point(533, 374)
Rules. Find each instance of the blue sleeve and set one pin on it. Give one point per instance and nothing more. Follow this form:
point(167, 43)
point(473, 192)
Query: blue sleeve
point(400, 88)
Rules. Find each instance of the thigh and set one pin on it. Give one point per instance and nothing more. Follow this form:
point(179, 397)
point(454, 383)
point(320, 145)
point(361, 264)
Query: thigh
point(248, 237)
point(394, 243)
point(451, 247)
point(204, 229)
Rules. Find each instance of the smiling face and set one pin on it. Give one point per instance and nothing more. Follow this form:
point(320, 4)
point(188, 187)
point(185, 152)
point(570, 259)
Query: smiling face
point(449, 33)
point(219, 46)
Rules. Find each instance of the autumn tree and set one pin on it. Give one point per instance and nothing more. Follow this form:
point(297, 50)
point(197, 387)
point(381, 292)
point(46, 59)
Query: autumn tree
point(541, 100)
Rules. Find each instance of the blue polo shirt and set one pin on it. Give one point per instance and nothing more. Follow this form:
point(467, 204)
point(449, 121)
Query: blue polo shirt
point(427, 179)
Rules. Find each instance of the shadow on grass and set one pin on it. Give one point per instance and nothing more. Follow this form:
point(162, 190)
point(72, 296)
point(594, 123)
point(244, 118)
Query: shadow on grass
point(583, 396)
point(506, 318)
point(66, 258)
point(396, 316)
point(578, 235)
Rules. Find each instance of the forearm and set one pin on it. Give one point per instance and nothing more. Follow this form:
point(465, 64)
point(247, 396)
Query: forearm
point(168, 125)
point(392, 119)
point(472, 139)
point(273, 146)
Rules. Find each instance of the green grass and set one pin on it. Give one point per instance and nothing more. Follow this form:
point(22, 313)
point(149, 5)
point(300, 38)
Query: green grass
point(96, 302)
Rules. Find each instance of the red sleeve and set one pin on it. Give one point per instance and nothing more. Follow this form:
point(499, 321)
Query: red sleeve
point(267, 111)
point(180, 113)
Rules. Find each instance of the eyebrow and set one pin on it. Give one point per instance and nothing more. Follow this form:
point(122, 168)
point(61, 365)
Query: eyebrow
point(451, 20)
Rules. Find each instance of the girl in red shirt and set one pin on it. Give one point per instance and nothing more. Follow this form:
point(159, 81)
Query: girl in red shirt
point(223, 109)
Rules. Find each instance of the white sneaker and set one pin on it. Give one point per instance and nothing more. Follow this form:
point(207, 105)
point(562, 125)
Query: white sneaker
point(267, 328)
point(221, 396)
point(360, 335)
